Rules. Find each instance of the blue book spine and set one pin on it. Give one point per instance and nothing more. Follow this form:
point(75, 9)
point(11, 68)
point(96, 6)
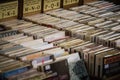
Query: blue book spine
point(13, 72)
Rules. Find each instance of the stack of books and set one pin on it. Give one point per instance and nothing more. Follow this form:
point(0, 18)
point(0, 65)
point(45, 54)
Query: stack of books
point(66, 14)
point(8, 33)
point(47, 34)
point(16, 24)
point(64, 38)
point(10, 67)
point(100, 61)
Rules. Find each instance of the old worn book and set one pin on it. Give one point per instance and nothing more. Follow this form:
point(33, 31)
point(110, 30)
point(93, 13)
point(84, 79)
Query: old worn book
point(8, 33)
point(68, 45)
point(33, 56)
point(16, 70)
point(55, 36)
point(7, 45)
point(95, 2)
point(10, 49)
point(12, 36)
point(75, 71)
point(86, 20)
point(99, 38)
point(15, 51)
point(106, 39)
point(23, 52)
point(53, 67)
point(95, 21)
point(108, 27)
point(103, 23)
point(18, 38)
point(91, 59)
point(99, 61)
point(82, 8)
point(23, 40)
point(26, 75)
point(42, 46)
point(33, 42)
point(86, 53)
point(75, 48)
point(16, 24)
point(116, 28)
point(111, 65)
point(94, 37)
point(106, 14)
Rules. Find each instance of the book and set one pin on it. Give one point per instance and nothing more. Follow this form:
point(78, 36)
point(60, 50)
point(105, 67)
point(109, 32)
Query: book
point(16, 24)
point(8, 33)
point(26, 75)
point(73, 62)
point(55, 36)
point(91, 59)
point(99, 70)
point(111, 68)
point(10, 67)
point(53, 67)
point(33, 42)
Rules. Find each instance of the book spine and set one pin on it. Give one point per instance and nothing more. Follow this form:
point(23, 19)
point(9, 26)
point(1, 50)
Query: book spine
point(8, 33)
point(14, 72)
point(31, 56)
point(111, 66)
point(111, 69)
point(112, 59)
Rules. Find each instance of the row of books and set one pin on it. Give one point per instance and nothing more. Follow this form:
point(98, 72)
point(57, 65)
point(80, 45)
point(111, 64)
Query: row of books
point(29, 43)
point(98, 22)
point(50, 21)
point(44, 61)
point(47, 48)
point(8, 33)
point(78, 46)
point(85, 48)
point(16, 24)
point(100, 9)
point(102, 62)
point(26, 48)
point(23, 47)
point(74, 29)
point(48, 34)
point(88, 33)
point(89, 20)
point(91, 14)
point(9, 67)
point(50, 71)
point(83, 31)
point(96, 8)
point(31, 29)
point(67, 14)
point(98, 36)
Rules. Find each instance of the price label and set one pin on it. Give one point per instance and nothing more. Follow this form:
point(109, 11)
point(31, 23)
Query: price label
point(51, 4)
point(8, 9)
point(68, 2)
point(32, 6)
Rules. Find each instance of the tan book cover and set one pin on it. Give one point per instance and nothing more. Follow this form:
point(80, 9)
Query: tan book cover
point(99, 61)
point(96, 21)
point(91, 59)
point(23, 40)
point(86, 53)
